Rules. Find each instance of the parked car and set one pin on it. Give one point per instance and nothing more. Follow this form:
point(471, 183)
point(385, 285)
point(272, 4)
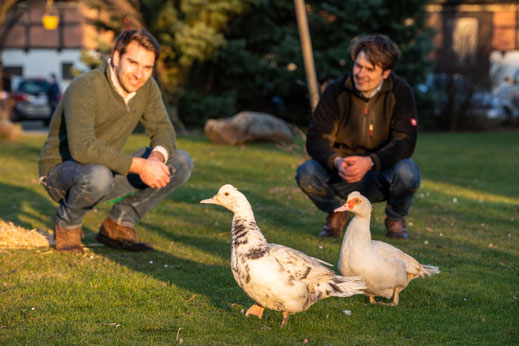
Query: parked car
point(460, 104)
point(32, 101)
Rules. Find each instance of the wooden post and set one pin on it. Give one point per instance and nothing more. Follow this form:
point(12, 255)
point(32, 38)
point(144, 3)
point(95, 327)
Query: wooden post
point(308, 58)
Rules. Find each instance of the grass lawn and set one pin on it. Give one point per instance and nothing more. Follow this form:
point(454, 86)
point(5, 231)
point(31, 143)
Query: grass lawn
point(465, 219)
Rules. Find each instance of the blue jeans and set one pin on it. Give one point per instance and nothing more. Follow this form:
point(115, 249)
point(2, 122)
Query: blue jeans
point(80, 187)
point(328, 191)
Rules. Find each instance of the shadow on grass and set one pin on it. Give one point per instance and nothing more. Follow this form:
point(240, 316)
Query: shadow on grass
point(171, 262)
point(17, 205)
point(213, 281)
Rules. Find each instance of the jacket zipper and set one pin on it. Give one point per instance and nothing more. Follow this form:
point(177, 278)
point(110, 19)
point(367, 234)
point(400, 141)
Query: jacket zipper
point(370, 121)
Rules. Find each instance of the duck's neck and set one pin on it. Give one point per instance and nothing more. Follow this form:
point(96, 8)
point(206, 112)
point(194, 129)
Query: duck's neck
point(358, 231)
point(245, 213)
point(245, 232)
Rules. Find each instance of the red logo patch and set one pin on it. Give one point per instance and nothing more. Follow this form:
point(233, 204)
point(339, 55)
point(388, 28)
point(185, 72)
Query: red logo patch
point(414, 122)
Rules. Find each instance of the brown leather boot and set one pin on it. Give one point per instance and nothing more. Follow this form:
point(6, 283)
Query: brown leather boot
point(68, 240)
point(120, 237)
point(335, 222)
point(396, 229)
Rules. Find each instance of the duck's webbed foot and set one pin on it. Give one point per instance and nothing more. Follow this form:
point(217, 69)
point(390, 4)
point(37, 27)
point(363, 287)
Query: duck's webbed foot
point(396, 299)
point(256, 310)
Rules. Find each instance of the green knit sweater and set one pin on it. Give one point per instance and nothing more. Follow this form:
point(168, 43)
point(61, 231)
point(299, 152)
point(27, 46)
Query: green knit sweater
point(92, 123)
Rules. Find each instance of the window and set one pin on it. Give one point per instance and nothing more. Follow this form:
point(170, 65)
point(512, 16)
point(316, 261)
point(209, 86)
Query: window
point(13, 70)
point(67, 70)
point(465, 39)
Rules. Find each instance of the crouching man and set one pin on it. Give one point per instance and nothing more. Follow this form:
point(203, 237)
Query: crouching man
point(361, 138)
point(82, 163)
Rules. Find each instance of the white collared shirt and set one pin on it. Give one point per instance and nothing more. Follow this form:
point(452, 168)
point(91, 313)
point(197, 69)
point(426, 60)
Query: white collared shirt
point(117, 86)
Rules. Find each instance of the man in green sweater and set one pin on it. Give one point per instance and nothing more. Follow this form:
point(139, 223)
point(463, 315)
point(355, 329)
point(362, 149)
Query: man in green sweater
point(82, 163)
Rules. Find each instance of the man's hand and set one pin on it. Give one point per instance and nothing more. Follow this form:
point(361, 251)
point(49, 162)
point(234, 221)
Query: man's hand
point(152, 171)
point(353, 168)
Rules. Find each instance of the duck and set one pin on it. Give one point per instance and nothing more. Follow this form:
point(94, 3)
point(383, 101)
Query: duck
point(274, 276)
point(386, 269)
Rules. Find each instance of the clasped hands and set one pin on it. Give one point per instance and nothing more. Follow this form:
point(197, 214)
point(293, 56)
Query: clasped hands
point(353, 168)
point(152, 171)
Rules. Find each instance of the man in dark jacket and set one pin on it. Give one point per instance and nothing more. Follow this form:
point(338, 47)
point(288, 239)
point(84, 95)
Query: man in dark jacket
point(361, 138)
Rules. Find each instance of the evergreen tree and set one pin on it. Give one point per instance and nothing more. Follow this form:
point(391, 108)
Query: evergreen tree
point(260, 66)
point(223, 56)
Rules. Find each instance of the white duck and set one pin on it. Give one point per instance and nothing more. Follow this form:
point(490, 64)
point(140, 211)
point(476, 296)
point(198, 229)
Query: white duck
point(385, 269)
point(276, 277)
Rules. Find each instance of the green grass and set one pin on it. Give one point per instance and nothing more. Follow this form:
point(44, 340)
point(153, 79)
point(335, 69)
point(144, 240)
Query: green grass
point(464, 220)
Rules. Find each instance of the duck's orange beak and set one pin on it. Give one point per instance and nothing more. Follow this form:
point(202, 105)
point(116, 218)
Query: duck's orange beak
point(344, 207)
point(213, 200)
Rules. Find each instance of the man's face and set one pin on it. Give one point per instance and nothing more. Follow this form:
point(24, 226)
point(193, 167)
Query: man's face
point(366, 76)
point(134, 67)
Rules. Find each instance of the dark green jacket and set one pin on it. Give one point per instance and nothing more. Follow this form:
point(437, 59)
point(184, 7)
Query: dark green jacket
point(346, 123)
point(92, 123)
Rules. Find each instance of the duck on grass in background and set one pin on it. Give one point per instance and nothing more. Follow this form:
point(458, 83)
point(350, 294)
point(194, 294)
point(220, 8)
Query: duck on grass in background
point(385, 269)
point(276, 277)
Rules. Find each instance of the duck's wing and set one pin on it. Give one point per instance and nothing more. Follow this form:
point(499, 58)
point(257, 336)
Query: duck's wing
point(299, 264)
point(391, 253)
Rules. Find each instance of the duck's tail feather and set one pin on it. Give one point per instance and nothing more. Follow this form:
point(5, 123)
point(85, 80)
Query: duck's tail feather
point(343, 286)
point(430, 270)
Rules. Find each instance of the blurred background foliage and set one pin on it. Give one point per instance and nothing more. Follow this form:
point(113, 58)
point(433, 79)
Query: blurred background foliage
point(220, 57)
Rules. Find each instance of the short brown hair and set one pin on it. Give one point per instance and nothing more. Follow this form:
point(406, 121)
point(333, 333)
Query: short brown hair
point(379, 50)
point(142, 36)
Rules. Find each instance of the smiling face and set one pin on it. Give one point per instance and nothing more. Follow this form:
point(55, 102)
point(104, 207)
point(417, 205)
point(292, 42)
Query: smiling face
point(366, 76)
point(134, 67)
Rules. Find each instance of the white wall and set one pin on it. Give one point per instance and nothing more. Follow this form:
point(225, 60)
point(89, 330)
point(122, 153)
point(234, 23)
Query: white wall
point(503, 65)
point(42, 62)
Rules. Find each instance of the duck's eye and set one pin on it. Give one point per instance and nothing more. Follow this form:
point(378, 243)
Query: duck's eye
point(226, 194)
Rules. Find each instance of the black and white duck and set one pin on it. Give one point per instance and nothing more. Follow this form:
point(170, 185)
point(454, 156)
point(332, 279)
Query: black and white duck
point(276, 277)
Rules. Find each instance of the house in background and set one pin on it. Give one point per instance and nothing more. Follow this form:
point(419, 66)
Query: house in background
point(477, 39)
point(30, 50)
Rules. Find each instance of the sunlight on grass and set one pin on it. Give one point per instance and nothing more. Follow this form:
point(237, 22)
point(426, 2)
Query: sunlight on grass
point(455, 191)
point(464, 219)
